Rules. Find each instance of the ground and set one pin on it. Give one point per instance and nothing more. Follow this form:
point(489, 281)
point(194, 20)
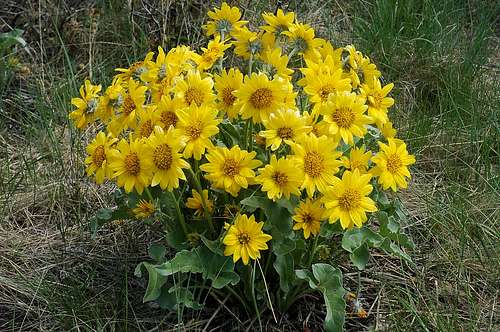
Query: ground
point(441, 55)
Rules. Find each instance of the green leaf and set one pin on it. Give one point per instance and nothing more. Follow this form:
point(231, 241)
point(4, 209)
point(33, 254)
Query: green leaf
point(157, 252)
point(215, 267)
point(185, 297)
point(328, 280)
point(359, 257)
point(219, 269)
point(155, 282)
point(166, 300)
point(285, 267)
point(355, 237)
point(184, 261)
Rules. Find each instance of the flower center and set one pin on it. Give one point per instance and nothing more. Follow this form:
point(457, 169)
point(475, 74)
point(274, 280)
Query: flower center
point(227, 96)
point(344, 117)
point(146, 129)
point(231, 167)
point(194, 131)
point(163, 156)
point(393, 163)
point(209, 57)
point(169, 119)
point(325, 91)
point(99, 155)
point(193, 95)
point(357, 164)
point(224, 26)
point(313, 164)
point(285, 133)
point(128, 105)
point(132, 164)
point(350, 199)
point(307, 218)
point(243, 238)
point(301, 44)
point(261, 98)
point(91, 106)
point(375, 100)
point(280, 178)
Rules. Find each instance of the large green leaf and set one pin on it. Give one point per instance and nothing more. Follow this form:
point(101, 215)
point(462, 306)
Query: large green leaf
point(285, 267)
point(155, 281)
point(328, 280)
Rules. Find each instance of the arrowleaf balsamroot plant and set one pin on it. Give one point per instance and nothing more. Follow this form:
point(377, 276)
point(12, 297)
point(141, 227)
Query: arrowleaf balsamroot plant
point(254, 155)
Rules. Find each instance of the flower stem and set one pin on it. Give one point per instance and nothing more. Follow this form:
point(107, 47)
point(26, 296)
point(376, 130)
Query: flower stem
point(222, 57)
point(148, 193)
point(180, 216)
point(311, 256)
point(252, 290)
point(250, 63)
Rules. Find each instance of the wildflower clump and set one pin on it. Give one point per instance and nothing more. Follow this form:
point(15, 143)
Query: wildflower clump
point(255, 154)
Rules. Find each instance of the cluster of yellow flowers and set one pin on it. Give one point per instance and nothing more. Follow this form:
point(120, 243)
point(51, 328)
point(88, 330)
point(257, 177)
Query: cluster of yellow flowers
point(302, 120)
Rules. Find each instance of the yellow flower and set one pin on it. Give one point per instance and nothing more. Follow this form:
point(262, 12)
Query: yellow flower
point(143, 209)
point(167, 110)
point(110, 102)
point(258, 97)
point(348, 200)
point(277, 63)
point(277, 23)
point(247, 43)
point(194, 89)
point(360, 67)
point(230, 170)
point(317, 158)
point(325, 85)
point(387, 130)
point(327, 66)
point(319, 127)
point(345, 114)
point(147, 118)
point(358, 159)
point(196, 202)
point(301, 37)
point(131, 164)
point(224, 20)
point(308, 216)
point(280, 178)
point(392, 164)
point(137, 70)
point(214, 51)
point(133, 102)
point(86, 106)
point(97, 160)
point(167, 161)
point(285, 125)
point(197, 125)
point(245, 239)
point(378, 102)
point(225, 84)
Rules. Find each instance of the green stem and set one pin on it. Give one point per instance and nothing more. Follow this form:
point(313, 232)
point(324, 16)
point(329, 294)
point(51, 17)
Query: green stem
point(222, 57)
point(148, 193)
point(250, 137)
point(252, 290)
point(233, 292)
point(180, 216)
point(245, 134)
point(250, 62)
point(203, 202)
point(311, 256)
